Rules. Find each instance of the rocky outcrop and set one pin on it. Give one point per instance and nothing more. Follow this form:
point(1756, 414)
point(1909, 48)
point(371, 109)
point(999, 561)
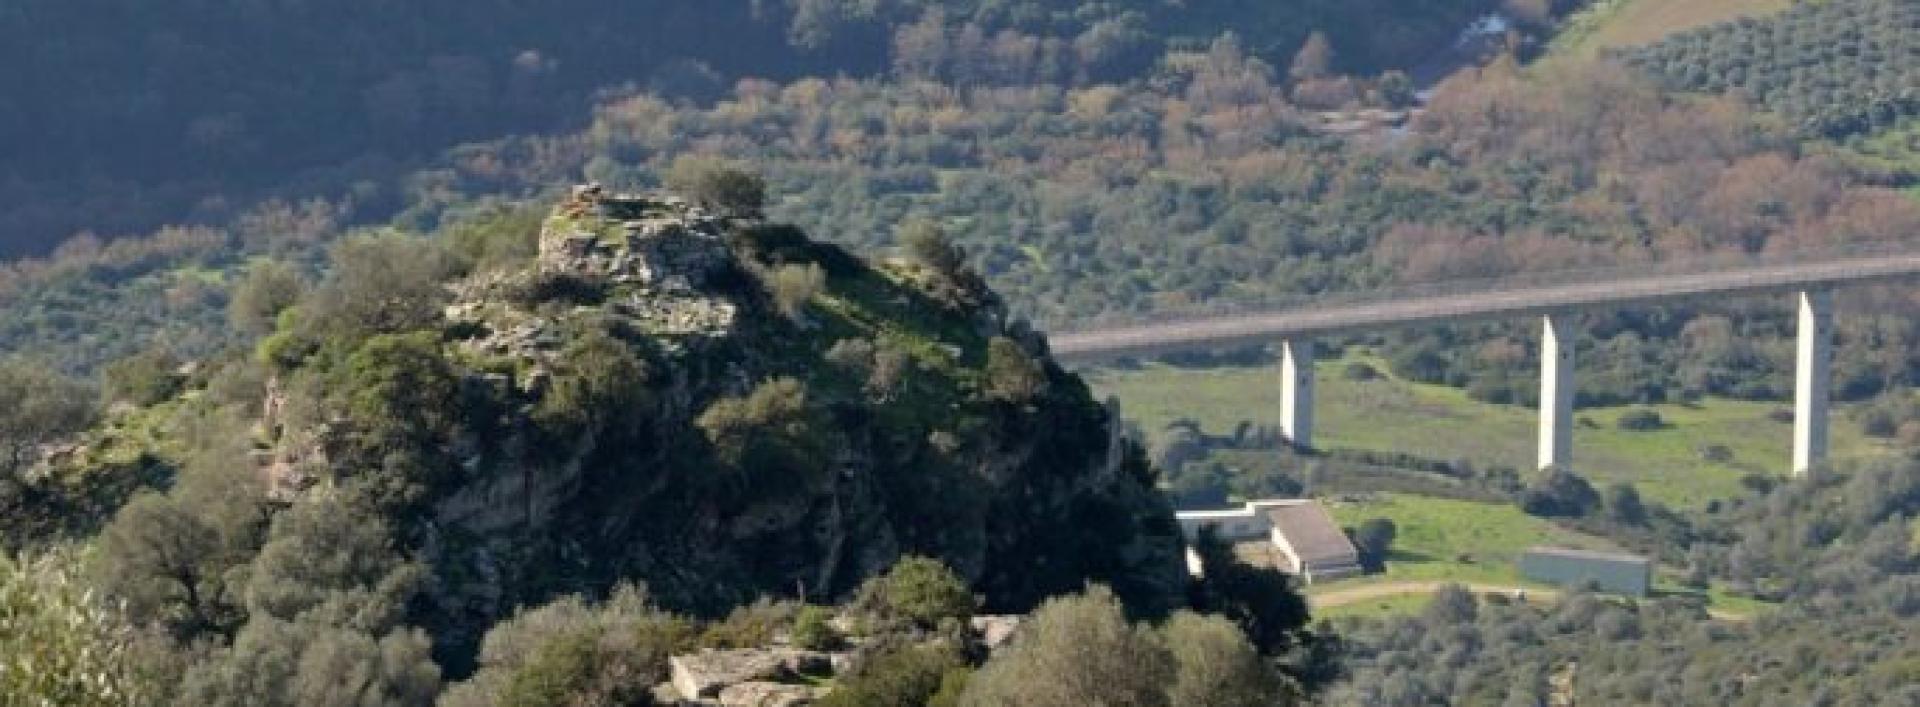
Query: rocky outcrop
point(713, 673)
point(1025, 499)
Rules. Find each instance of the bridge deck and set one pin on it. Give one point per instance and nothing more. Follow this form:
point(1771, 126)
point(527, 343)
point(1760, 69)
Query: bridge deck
point(1321, 320)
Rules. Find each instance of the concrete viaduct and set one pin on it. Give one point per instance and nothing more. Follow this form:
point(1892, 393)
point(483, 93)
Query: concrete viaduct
point(1811, 280)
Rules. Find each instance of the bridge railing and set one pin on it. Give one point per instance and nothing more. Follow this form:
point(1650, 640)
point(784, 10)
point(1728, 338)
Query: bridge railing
point(1719, 262)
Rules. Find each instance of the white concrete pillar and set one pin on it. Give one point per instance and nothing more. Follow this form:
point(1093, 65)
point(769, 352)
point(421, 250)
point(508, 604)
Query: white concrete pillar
point(1813, 380)
point(1296, 392)
point(1556, 394)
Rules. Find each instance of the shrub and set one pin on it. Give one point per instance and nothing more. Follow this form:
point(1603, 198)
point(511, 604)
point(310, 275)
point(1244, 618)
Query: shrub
point(1558, 492)
point(919, 591)
point(1012, 375)
point(58, 646)
point(812, 629)
point(792, 286)
point(1717, 453)
point(1640, 420)
point(1879, 422)
point(1374, 540)
point(1360, 371)
point(719, 186)
point(907, 676)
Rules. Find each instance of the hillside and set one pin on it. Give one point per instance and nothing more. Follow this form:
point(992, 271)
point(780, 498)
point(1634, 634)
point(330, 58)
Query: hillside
point(665, 392)
point(139, 117)
point(1835, 69)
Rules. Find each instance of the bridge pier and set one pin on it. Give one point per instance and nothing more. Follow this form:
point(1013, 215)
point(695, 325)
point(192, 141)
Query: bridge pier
point(1813, 380)
point(1296, 392)
point(1556, 394)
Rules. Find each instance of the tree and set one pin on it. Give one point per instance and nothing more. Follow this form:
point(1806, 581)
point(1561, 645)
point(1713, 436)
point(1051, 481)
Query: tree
point(144, 379)
point(330, 561)
point(1624, 505)
point(60, 645)
point(597, 381)
point(1264, 602)
point(929, 245)
point(1214, 665)
point(382, 283)
point(1374, 539)
point(793, 286)
point(575, 652)
point(1314, 60)
point(396, 392)
point(257, 301)
point(917, 591)
point(1077, 650)
point(169, 568)
point(275, 663)
point(1012, 375)
point(42, 407)
point(1558, 492)
point(1452, 605)
point(772, 428)
point(718, 186)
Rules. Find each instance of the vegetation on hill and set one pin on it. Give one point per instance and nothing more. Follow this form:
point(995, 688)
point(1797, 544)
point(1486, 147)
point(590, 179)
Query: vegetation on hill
point(428, 439)
point(1836, 547)
point(1836, 69)
point(126, 117)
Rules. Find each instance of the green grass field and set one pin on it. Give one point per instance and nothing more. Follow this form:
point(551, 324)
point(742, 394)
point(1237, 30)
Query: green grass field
point(1443, 423)
point(1441, 540)
point(1456, 541)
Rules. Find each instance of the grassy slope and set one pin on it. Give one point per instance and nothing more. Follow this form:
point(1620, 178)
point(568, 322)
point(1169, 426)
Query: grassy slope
point(1608, 24)
point(1442, 423)
point(1443, 540)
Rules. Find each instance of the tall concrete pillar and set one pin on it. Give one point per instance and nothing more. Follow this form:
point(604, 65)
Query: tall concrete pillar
point(1296, 392)
point(1556, 394)
point(1813, 379)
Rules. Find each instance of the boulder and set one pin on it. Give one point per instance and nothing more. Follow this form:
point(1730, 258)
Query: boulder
point(706, 673)
point(768, 694)
point(995, 631)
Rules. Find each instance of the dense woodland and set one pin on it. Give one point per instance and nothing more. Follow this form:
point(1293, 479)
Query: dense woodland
point(1009, 167)
point(130, 115)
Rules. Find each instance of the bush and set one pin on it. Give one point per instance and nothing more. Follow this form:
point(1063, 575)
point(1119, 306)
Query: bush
point(144, 379)
point(792, 286)
point(918, 591)
point(812, 629)
point(719, 186)
point(1374, 540)
point(1012, 375)
point(1641, 420)
point(1558, 492)
point(58, 646)
point(1879, 422)
point(1359, 371)
point(907, 676)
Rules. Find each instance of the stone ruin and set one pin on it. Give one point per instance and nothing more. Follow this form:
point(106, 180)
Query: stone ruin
point(657, 242)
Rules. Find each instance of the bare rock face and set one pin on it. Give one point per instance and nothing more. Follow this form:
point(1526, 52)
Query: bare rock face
point(996, 631)
point(768, 694)
point(711, 674)
point(656, 242)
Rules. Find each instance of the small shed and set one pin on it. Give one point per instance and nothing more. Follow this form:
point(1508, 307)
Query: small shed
point(1314, 547)
point(1617, 573)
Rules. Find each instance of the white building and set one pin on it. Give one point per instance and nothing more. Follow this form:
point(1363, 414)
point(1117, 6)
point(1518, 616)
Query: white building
point(1308, 542)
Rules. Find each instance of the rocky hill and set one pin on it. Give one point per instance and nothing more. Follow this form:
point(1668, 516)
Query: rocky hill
point(722, 409)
